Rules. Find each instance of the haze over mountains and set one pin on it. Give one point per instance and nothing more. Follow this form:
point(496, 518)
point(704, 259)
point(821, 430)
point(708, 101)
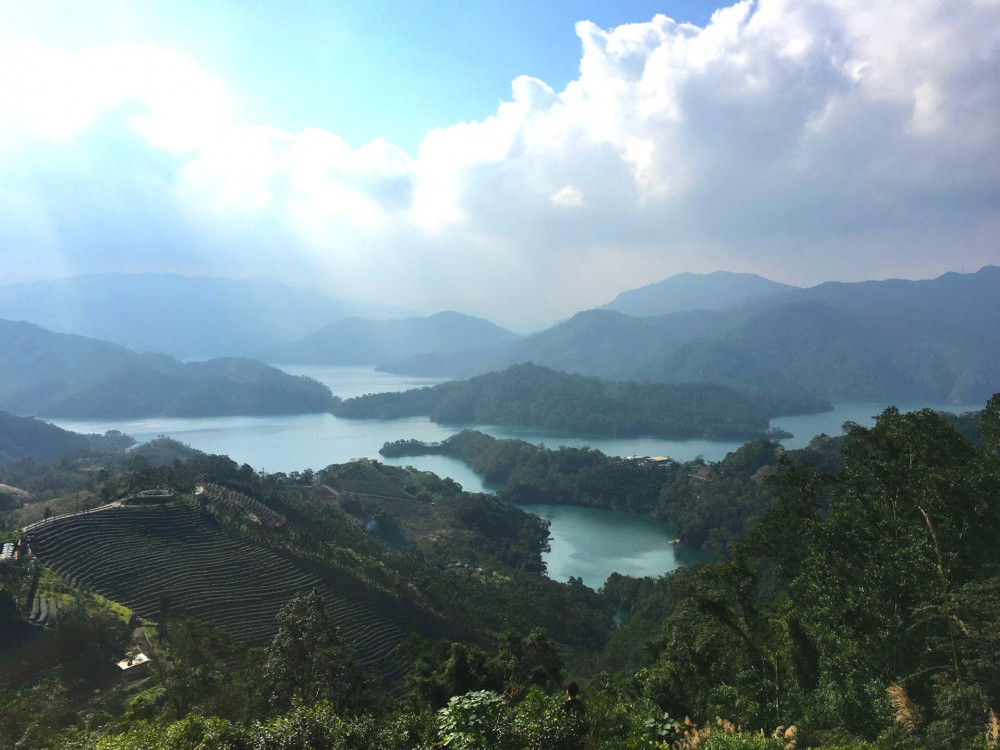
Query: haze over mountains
point(689, 291)
point(357, 341)
point(186, 317)
point(934, 341)
point(64, 375)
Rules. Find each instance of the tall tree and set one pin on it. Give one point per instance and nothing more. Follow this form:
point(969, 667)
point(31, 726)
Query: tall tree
point(308, 659)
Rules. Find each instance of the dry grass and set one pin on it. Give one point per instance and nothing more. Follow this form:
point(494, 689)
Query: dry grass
point(993, 731)
point(907, 715)
point(695, 736)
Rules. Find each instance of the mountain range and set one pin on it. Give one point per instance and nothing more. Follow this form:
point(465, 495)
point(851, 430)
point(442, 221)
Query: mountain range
point(186, 317)
point(935, 340)
point(359, 341)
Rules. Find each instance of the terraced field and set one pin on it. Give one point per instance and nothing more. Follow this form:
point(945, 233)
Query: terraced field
point(364, 479)
point(177, 558)
point(388, 496)
point(253, 509)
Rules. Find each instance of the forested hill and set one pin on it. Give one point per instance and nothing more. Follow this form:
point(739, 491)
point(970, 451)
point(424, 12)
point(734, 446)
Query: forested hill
point(858, 611)
point(27, 437)
point(63, 375)
point(932, 341)
point(690, 291)
point(534, 396)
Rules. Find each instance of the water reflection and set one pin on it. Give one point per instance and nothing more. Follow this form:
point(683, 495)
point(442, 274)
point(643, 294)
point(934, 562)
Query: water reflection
point(593, 543)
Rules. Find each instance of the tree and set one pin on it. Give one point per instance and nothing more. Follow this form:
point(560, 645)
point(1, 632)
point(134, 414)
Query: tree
point(883, 584)
point(309, 660)
point(196, 663)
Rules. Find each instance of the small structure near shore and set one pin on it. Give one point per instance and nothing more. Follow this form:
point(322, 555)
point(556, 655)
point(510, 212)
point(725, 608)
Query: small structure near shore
point(145, 497)
point(131, 661)
point(662, 462)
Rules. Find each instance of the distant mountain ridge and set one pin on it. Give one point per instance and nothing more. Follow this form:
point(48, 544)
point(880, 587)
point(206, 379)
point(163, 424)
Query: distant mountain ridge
point(186, 317)
point(65, 375)
point(357, 341)
point(689, 291)
point(934, 340)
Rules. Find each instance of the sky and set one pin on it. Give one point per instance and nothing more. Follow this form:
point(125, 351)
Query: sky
point(520, 160)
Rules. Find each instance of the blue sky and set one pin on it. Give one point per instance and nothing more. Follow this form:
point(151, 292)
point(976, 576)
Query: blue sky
point(388, 68)
point(519, 160)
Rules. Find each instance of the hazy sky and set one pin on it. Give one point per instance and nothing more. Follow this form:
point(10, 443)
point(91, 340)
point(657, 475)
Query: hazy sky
point(521, 160)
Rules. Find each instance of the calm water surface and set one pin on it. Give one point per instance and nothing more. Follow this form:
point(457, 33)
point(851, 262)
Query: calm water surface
point(586, 542)
point(592, 543)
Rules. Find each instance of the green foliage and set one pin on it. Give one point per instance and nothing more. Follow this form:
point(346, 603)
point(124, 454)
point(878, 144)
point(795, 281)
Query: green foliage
point(881, 573)
point(308, 660)
point(485, 719)
point(34, 716)
point(518, 664)
point(535, 396)
point(195, 664)
point(312, 727)
point(474, 720)
point(740, 741)
point(864, 603)
point(88, 636)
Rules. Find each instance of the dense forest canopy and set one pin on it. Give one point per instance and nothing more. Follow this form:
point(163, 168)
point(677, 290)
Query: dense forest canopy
point(534, 396)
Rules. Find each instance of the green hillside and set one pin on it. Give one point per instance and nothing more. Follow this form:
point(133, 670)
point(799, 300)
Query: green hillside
point(534, 396)
point(61, 375)
point(177, 560)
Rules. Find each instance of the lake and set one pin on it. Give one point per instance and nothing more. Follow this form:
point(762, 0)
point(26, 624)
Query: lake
point(583, 544)
point(593, 543)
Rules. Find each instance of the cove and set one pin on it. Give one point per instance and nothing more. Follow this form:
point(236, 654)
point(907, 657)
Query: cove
point(593, 543)
point(585, 543)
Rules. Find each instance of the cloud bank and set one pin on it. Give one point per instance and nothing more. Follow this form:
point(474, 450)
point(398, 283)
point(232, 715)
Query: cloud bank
point(801, 139)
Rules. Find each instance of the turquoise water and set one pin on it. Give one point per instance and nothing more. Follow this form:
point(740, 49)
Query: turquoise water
point(587, 543)
point(592, 543)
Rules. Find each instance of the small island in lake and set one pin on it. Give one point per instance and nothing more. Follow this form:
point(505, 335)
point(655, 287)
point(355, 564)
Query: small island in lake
point(532, 396)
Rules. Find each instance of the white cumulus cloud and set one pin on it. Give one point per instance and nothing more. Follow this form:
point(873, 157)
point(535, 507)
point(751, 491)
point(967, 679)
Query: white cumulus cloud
point(800, 139)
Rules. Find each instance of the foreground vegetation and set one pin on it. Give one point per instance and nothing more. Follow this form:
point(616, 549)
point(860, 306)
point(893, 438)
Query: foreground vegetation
point(859, 609)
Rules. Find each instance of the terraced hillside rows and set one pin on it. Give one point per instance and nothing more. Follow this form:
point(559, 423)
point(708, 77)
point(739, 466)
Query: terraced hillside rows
point(177, 558)
point(253, 509)
point(365, 479)
point(382, 494)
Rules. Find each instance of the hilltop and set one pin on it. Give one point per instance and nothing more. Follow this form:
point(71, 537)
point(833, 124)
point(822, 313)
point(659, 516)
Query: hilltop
point(357, 341)
point(689, 291)
point(51, 374)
